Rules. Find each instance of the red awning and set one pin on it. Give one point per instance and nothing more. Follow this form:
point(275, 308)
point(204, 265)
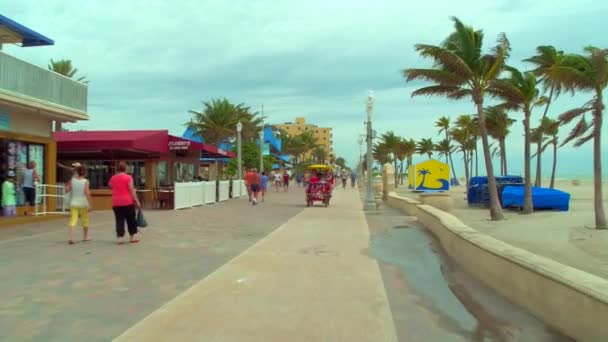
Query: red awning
point(150, 141)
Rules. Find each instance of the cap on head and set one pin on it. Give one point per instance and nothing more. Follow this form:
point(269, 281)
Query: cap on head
point(11, 174)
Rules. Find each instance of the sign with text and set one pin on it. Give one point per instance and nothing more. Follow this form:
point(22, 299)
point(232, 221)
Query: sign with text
point(5, 120)
point(179, 145)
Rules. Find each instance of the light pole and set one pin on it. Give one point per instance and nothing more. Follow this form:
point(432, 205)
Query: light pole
point(239, 129)
point(370, 204)
point(262, 150)
point(360, 161)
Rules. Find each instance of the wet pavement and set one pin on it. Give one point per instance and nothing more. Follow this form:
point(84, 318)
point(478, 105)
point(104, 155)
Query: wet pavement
point(432, 299)
point(50, 291)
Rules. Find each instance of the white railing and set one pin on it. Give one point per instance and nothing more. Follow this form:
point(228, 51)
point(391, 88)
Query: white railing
point(209, 192)
point(42, 194)
point(224, 193)
point(238, 187)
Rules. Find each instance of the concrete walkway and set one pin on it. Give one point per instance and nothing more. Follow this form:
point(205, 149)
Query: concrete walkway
point(309, 280)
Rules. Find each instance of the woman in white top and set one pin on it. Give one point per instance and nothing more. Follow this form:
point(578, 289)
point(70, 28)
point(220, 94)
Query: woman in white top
point(80, 203)
point(278, 179)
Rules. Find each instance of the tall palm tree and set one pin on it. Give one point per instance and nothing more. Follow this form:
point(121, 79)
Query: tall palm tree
point(216, 122)
point(588, 72)
point(548, 62)
point(425, 146)
point(462, 137)
point(551, 129)
point(381, 153)
point(409, 149)
point(443, 123)
point(319, 155)
point(462, 70)
point(391, 141)
point(498, 123)
point(470, 125)
point(520, 92)
point(445, 148)
point(64, 67)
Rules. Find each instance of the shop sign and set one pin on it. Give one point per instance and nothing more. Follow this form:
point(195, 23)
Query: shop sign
point(4, 120)
point(179, 145)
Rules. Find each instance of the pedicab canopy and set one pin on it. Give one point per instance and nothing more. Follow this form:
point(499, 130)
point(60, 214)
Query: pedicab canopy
point(430, 175)
point(319, 167)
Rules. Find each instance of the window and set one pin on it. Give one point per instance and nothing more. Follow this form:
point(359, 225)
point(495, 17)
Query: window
point(162, 174)
point(14, 157)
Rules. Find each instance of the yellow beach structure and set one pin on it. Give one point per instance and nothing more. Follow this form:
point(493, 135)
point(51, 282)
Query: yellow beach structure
point(430, 175)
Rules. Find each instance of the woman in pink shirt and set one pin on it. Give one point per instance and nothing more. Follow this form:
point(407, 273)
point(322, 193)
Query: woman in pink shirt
point(124, 202)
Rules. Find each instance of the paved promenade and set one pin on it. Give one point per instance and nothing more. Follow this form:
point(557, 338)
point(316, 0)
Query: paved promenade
point(309, 280)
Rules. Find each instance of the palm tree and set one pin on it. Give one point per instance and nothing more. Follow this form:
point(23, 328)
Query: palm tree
point(217, 121)
point(588, 73)
point(548, 68)
point(444, 148)
point(409, 149)
point(470, 125)
point(391, 141)
point(64, 67)
point(319, 155)
point(425, 146)
point(443, 123)
point(520, 92)
point(461, 136)
point(498, 123)
point(381, 153)
point(461, 70)
point(551, 129)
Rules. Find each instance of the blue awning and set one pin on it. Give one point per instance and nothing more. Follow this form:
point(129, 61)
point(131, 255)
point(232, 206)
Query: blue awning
point(26, 36)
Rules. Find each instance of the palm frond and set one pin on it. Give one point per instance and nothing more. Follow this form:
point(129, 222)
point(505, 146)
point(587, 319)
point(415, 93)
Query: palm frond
point(442, 77)
point(580, 142)
point(572, 114)
point(436, 90)
point(579, 129)
point(446, 59)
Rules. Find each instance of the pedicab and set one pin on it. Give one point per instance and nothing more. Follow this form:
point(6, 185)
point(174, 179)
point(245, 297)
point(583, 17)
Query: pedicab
point(319, 187)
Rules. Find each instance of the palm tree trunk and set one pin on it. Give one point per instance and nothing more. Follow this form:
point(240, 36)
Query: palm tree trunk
point(495, 208)
point(503, 156)
point(528, 208)
point(477, 158)
point(466, 170)
point(452, 166)
point(598, 204)
point(401, 172)
point(552, 184)
point(396, 173)
point(538, 178)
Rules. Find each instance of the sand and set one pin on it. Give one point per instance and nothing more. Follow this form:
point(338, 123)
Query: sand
point(566, 237)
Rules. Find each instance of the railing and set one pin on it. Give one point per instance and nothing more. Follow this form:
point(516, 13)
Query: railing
point(42, 194)
point(224, 191)
point(26, 80)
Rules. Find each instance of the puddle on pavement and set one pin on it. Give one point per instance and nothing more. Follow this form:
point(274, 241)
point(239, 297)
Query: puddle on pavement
point(433, 300)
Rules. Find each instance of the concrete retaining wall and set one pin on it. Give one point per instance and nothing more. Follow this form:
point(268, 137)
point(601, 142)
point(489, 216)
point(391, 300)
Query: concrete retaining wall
point(570, 300)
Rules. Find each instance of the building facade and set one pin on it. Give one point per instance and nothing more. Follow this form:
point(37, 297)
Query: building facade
point(32, 100)
point(323, 135)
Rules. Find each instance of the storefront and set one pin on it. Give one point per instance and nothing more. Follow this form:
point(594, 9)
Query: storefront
point(155, 159)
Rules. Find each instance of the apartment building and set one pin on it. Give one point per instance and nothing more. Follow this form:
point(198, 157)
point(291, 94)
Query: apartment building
point(323, 135)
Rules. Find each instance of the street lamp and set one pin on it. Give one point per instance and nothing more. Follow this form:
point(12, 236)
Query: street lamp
point(262, 150)
point(239, 129)
point(370, 204)
point(360, 161)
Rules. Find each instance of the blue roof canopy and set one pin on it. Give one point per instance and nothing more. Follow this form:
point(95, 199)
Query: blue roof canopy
point(26, 36)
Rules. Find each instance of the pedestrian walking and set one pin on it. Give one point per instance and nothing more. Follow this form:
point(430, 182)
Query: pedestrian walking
point(9, 196)
point(124, 202)
point(80, 203)
point(264, 185)
point(30, 180)
point(344, 178)
point(353, 178)
point(285, 181)
point(253, 179)
point(278, 179)
point(247, 184)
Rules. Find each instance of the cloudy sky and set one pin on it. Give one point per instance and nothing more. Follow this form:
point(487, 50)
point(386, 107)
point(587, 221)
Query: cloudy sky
point(151, 61)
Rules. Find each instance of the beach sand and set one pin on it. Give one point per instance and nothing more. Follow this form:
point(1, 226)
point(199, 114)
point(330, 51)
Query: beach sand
point(566, 237)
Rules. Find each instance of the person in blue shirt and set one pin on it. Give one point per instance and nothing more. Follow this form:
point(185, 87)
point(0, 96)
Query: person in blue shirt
point(353, 178)
point(264, 185)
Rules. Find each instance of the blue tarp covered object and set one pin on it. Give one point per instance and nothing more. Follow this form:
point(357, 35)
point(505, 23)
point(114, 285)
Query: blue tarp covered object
point(542, 198)
point(478, 193)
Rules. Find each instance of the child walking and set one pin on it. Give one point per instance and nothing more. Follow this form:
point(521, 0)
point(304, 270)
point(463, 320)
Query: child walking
point(80, 203)
point(9, 197)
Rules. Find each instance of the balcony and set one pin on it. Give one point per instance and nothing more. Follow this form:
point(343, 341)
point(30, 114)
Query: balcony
point(29, 82)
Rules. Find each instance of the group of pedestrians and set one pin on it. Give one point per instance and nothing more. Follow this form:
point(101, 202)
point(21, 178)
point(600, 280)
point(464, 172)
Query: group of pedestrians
point(28, 182)
point(124, 203)
point(257, 184)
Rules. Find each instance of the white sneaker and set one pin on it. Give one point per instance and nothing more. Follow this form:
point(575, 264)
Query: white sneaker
point(254, 201)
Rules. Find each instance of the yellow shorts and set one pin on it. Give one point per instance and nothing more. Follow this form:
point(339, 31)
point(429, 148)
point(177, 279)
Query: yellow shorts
point(84, 216)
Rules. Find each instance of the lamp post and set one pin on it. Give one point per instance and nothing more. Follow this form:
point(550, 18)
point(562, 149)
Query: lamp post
point(360, 161)
point(370, 204)
point(262, 150)
point(239, 129)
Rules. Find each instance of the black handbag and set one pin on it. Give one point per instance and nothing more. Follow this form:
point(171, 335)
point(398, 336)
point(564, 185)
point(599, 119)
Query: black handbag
point(141, 220)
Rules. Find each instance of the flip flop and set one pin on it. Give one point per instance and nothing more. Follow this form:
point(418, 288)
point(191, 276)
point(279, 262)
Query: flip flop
point(121, 242)
point(86, 240)
point(70, 242)
point(134, 241)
